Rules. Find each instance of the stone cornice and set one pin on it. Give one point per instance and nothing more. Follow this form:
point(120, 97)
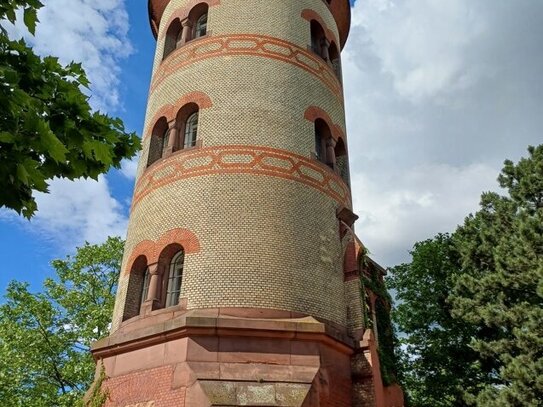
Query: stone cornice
point(197, 323)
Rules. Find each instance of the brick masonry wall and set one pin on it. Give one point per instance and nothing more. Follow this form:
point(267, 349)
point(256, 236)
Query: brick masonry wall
point(355, 317)
point(266, 241)
point(144, 388)
point(280, 19)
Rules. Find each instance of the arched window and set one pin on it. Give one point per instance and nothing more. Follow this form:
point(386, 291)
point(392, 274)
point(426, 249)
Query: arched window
point(175, 277)
point(342, 163)
point(198, 21)
point(322, 135)
point(138, 286)
point(194, 26)
point(191, 130)
point(173, 36)
point(159, 141)
point(186, 123)
point(165, 141)
point(317, 38)
point(335, 60)
point(319, 149)
point(200, 28)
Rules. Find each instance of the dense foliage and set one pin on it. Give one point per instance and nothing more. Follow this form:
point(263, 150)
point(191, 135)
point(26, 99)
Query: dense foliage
point(471, 304)
point(501, 285)
point(438, 364)
point(47, 127)
point(45, 337)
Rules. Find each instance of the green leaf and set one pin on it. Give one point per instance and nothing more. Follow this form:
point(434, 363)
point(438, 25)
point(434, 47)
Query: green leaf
point(10, 15)
point(54, 147)
point(45, 335)
point(46, 119)
point(470, 305)
point(22, 174)
point(6, 137)
point(30, 18)
point(100, 150)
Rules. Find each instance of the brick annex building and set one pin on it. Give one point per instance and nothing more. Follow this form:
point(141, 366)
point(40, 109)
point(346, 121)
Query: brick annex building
point(242, 282)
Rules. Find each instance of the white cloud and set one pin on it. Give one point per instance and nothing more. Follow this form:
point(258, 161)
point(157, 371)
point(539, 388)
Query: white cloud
point(438, 94)
point(93, 32)
point(397, 210)
point(79, 211)
point(130, 167)
point(74, 212)
point(421, 44)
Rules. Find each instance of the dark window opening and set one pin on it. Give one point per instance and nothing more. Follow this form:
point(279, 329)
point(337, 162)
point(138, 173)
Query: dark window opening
point(159, 139)
point(318, 39)
point(173, 36)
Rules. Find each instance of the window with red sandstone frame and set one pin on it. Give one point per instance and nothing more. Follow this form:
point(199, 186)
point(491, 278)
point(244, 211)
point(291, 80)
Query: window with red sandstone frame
point(175, 278)
point(200, 28)
point(145, 286)
point(159, 141)
point(191, 130)
point(184, 30)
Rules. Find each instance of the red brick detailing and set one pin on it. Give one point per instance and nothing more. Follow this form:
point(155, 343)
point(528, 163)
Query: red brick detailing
point(350, 262)
point(144, 388)
point(144, 249)
point(309, 15)
point(313, 113)
point(248, 44)
point(183, 12)
point(184, 237)
point(170, 111)
point(341, 10)
point(263, 161)
point(351, 241)
point(151, 250)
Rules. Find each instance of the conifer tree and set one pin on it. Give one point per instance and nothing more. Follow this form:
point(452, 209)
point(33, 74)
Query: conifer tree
point(470, 305)
point(500, 289)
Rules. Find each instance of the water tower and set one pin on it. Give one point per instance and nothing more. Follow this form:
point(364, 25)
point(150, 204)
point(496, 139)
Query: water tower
point(240, 283)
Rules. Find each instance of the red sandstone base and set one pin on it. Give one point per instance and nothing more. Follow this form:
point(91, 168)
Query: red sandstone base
point(194, 359)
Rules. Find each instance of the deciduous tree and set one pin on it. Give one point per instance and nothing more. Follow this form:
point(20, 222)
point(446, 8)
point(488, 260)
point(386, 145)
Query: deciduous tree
point(47, 127)
point(438, 364)
point(45, 337)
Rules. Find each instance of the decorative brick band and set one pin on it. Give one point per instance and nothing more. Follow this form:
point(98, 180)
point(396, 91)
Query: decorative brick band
point(340, 9)
point(248, 44)
point(240, 159)
point(151, 250)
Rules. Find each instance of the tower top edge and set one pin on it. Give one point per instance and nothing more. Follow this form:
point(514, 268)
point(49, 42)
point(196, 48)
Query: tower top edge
point(341, 10)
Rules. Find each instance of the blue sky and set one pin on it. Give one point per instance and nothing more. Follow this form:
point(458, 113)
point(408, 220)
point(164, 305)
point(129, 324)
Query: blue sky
point(438, 94)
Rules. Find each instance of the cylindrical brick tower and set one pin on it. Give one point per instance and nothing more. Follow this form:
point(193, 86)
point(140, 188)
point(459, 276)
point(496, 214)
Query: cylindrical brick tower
point(239, 284)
